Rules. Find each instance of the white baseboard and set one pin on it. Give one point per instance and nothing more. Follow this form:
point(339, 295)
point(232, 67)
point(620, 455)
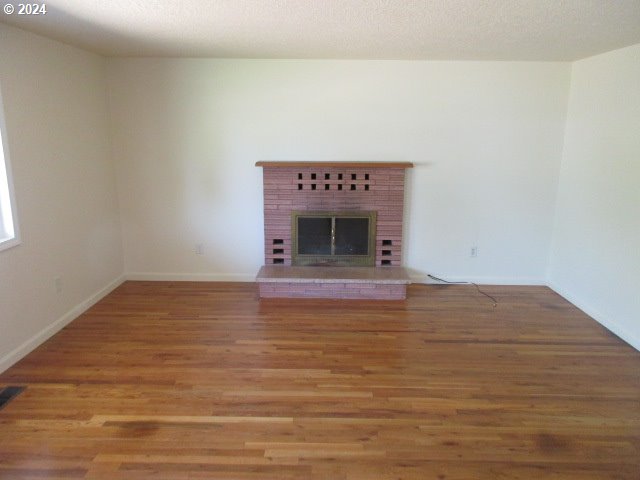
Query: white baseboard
point(192, 277)
point(419, 278)
point(251, 277)
point(35, 341)
point(624, 333)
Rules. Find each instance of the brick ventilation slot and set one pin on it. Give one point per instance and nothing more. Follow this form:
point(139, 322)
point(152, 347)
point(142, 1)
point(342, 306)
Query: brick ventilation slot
point(325, 179)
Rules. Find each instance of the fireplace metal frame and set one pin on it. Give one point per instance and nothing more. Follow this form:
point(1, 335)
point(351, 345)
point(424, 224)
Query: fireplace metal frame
point(334, 260)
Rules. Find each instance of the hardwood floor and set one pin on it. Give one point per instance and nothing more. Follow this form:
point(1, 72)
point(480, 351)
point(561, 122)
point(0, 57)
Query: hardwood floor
point(202, 380)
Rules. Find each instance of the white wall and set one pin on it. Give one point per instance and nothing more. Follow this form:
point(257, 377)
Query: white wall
point(57, 125)
point(486, 138)
point(595, 259)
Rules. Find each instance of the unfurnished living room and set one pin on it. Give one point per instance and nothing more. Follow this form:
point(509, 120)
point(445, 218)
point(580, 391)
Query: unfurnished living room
point(320, 239)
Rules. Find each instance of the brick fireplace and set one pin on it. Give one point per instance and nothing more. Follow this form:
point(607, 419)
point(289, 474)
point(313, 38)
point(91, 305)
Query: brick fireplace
point(333, 194)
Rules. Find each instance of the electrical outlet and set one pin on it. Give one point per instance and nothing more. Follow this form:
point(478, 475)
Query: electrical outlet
point(58, 284)
point(473, 252)
point(199, 249)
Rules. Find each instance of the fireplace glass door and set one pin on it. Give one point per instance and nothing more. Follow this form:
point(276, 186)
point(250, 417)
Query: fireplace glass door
point(333, 238)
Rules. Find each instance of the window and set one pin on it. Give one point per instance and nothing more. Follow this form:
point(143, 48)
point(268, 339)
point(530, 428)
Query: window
point(8, 223)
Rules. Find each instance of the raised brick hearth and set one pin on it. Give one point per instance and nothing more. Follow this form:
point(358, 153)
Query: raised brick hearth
point(363, 291)
point(333, 282)
point(333, 187)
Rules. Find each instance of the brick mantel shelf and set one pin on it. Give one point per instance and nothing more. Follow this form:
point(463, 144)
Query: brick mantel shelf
point(283, 164)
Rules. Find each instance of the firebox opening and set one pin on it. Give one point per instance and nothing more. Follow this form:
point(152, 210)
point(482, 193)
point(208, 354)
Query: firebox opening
point(333, 238)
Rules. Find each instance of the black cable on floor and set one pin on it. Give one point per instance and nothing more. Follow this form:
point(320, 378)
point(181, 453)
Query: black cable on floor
point(495, 302)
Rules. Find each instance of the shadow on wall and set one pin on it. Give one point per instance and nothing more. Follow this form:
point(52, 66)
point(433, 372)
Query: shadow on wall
point(185, 188)
point(409, 185)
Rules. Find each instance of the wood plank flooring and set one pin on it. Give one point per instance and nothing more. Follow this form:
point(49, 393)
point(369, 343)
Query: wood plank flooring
point(202, 380)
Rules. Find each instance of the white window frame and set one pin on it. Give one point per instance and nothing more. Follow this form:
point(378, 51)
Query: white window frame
point(9, 232)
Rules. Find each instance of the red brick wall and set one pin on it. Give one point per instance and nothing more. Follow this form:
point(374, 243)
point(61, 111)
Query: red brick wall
point(288, 188)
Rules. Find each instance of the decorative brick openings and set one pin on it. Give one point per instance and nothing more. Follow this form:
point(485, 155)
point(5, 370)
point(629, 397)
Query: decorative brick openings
point(329, 186)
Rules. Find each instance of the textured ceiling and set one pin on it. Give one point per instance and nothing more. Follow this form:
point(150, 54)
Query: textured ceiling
point(374, 29)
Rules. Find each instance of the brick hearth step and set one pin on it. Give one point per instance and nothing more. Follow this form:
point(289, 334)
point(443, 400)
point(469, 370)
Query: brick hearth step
point(375, 283)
